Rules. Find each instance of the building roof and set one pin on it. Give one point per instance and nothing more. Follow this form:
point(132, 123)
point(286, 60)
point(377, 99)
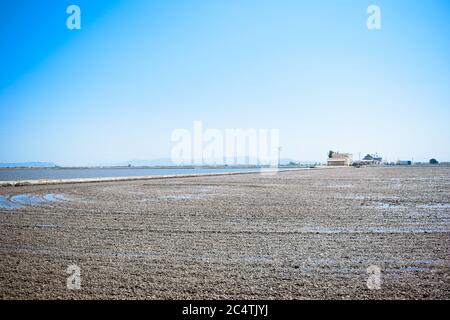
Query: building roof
point(340, 156)
point(372, 157)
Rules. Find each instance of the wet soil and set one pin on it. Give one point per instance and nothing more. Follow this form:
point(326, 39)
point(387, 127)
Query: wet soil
point(308, 234)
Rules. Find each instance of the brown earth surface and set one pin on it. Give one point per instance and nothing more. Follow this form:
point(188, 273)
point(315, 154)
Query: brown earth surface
point(307, 234)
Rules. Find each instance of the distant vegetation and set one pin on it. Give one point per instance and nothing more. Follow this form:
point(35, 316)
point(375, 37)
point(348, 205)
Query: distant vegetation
point(434, 161)
point(28, 165)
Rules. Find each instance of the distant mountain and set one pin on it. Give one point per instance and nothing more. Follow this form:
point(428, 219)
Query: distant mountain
point(28, 165)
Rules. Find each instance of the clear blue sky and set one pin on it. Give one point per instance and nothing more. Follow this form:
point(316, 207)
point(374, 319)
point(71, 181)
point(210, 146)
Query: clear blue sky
point(116, 89)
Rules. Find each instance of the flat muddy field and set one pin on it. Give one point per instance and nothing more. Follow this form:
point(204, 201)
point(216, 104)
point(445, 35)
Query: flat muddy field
point(306, 234)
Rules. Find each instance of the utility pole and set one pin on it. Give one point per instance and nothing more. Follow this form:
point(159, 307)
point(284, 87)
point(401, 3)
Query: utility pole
point(279, 156)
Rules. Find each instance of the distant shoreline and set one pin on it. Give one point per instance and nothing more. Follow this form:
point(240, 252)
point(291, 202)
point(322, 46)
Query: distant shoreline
point(20, 183)
point(156, 167)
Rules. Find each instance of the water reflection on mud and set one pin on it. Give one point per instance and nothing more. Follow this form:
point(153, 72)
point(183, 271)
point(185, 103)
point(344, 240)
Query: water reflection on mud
point(22, 200)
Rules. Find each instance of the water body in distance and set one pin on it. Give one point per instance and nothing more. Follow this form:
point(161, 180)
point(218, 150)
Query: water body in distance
point(80, 173)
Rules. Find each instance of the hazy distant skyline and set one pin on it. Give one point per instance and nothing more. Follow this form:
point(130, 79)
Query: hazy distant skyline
point(115, 90)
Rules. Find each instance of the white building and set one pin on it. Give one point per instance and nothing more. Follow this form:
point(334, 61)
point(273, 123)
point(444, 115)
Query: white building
point(340, 159)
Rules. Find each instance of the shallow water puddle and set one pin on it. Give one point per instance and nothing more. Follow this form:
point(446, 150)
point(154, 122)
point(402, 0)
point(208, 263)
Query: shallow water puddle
point(21, 200)
point(387, 205)
point(368, 229)
point(414, 269)
point(27, 199)
point(44, 226)
point(182, 197)
point(383, 205)
point(320, 229)
point(340, 186)
point(5, 203)
point(435, 206)
point(55, 197)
